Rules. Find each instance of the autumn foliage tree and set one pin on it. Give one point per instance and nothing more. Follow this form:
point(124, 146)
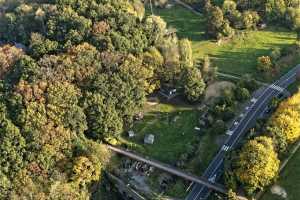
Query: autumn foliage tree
point(257, 164)
point(83, 73)
point(9, 55)
point(264, 64)
point(284, 125)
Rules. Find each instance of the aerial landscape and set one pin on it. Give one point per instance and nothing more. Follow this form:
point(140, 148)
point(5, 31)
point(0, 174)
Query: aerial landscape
point(149, 99)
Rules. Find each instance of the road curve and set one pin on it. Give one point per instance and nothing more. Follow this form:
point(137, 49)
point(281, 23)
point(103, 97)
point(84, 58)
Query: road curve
point(255, 107)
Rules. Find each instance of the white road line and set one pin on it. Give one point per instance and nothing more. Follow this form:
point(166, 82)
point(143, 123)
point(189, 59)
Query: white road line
point(258, 108)
point(219, 163)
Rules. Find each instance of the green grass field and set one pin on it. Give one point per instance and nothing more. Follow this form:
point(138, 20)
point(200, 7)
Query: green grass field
point(289, 180)
point(235, 57)
point(173, 127)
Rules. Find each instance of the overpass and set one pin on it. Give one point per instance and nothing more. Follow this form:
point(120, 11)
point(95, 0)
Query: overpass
point(170, 169)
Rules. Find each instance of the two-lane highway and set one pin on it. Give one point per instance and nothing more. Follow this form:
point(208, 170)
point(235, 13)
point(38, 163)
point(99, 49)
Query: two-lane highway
point(256, 106)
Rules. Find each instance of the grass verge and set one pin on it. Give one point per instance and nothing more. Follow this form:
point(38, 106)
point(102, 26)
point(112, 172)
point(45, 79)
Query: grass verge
point(289, 180)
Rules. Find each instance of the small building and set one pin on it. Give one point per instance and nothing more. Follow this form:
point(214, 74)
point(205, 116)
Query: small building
point(131, 134)
point(149, 139)
point(197, 128)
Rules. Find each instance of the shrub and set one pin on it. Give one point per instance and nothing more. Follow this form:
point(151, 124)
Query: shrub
point(264, 64)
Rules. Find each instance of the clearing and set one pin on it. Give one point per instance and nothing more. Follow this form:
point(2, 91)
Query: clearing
point(173, 125)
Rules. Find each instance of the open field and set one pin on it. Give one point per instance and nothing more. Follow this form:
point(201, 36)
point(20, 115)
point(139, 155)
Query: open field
point(289, 180)
point(235, 57)
point(173, 127)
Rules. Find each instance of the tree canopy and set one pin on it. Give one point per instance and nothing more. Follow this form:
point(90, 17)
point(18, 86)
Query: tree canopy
point(257, 164)
point(72, 74)
point(284, 125)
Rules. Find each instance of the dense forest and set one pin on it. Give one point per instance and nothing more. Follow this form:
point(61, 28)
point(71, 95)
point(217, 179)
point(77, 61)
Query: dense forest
point(73, 73)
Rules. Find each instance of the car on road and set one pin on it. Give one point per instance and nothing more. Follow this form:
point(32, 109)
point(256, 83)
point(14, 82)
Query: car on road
point(213, 178)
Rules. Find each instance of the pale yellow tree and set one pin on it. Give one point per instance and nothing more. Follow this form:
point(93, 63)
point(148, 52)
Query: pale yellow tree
point(284, 124)
point(257, 164)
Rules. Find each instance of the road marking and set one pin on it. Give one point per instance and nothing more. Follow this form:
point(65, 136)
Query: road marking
point(220, 162)
point(225, 148)
point(229, 132)
point(258, 108)
point(276, 87)
point(213, 178)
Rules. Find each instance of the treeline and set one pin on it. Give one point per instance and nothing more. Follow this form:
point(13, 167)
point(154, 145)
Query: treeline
point(81, 74)
point(256, 164)
point(225, 17)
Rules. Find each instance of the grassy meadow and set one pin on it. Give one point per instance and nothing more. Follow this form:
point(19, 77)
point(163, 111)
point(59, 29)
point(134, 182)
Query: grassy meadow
point(173, 127)
point(238, 56)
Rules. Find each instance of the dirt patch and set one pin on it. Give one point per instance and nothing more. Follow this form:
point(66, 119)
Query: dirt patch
point(139, 182)
point(150, 103)
point(278, 190)
point(215, 90)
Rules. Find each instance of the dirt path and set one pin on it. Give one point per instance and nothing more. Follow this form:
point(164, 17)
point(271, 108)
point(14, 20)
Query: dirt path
point(188, 7)
point(238, 78)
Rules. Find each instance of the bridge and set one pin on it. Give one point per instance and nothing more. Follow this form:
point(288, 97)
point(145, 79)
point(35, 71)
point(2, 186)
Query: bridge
point(172, 170)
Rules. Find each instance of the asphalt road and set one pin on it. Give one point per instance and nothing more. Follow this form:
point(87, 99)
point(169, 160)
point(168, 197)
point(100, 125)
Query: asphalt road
point(252, 111)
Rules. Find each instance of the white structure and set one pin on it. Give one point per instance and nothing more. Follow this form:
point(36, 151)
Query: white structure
point(149, 139)
point(131, 134)
point(197, 128)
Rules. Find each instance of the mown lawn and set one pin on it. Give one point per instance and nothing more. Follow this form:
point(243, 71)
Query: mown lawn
point(235, 57)
point(289, 180)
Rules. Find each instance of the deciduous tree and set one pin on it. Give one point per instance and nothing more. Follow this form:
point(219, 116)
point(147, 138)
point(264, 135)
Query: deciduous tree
point(257, 164)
